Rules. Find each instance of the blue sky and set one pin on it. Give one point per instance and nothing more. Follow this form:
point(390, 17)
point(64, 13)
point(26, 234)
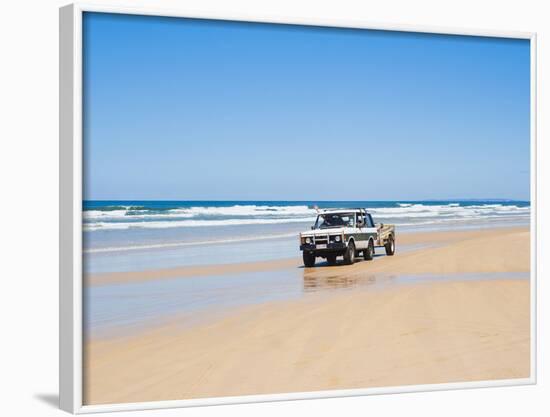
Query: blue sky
point(191, 110)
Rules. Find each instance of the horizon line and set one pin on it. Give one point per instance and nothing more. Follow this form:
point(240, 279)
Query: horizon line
point(321, 201)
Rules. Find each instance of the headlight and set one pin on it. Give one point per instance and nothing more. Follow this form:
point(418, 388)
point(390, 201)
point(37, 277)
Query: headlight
point(337, 238)
point(308, 240)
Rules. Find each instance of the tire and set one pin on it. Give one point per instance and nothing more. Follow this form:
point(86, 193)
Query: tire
point(331, 259)
point(390, 246)
point(349, 255)
point(368, 253)
point(309, 259)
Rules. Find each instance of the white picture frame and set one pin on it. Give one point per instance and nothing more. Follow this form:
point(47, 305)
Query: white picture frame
point(70, 280)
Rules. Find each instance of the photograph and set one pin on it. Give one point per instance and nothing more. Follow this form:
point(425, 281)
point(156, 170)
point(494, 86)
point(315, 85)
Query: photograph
point(274, 208)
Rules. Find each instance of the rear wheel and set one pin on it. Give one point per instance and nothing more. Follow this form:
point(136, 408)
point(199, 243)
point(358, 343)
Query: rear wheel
point(368, 253)
point(331, 259)
point(390, 246)
point(349, 255)
point(309, 259)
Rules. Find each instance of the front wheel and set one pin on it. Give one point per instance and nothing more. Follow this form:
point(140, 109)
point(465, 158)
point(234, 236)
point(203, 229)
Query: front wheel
point(309, 259)
point(368, 253)
point(390, 246)
point(349, 255)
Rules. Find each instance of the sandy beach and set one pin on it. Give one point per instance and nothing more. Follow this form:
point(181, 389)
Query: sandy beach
point(466, 319)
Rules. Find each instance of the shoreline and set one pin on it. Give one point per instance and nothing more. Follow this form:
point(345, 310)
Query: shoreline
point(412, 238)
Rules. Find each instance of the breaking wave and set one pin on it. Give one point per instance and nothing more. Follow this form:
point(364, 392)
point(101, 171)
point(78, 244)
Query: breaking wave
point(122, 217)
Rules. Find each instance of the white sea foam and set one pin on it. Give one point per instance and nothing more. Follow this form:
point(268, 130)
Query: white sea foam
point(190, 212)
point(453, 209)
point(190, 223)
point(95, 214)
point(405, 213)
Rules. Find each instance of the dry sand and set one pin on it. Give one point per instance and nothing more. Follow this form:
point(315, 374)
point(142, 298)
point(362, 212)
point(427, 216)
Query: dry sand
point(422, 333)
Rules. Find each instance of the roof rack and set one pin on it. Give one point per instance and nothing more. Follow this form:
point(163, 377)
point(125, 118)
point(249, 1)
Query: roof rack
point(345, 209)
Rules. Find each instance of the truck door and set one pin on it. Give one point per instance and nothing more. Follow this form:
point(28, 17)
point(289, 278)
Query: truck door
point(362, 236)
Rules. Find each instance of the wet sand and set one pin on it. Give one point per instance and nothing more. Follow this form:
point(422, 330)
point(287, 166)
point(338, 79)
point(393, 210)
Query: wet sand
point(463, 262)
point(366, 336)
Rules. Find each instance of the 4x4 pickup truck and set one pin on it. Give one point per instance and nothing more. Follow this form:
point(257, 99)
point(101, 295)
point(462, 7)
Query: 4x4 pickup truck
point(346, 233)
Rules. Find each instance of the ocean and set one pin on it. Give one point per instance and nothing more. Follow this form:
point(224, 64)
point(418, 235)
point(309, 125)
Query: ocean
point(130, 235)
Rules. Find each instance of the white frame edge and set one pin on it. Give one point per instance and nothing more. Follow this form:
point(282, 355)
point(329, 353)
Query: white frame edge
point(70, 214)
point(70, 208)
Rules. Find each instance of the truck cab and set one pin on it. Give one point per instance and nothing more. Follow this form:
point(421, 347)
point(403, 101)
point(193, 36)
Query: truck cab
point(347, 233)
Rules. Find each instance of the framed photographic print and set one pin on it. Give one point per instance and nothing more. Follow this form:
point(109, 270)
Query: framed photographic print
point(258, 209)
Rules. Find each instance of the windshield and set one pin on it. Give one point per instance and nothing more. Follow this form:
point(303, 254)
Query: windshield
point(329, 220)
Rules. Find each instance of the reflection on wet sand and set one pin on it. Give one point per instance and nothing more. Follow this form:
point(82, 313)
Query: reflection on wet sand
point(316, 282)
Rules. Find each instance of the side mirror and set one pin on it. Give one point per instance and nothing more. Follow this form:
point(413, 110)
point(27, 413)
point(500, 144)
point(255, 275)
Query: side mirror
point(312, 227)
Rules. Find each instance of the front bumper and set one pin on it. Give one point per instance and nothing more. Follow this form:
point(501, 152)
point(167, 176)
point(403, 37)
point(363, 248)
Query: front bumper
point(332, 246)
